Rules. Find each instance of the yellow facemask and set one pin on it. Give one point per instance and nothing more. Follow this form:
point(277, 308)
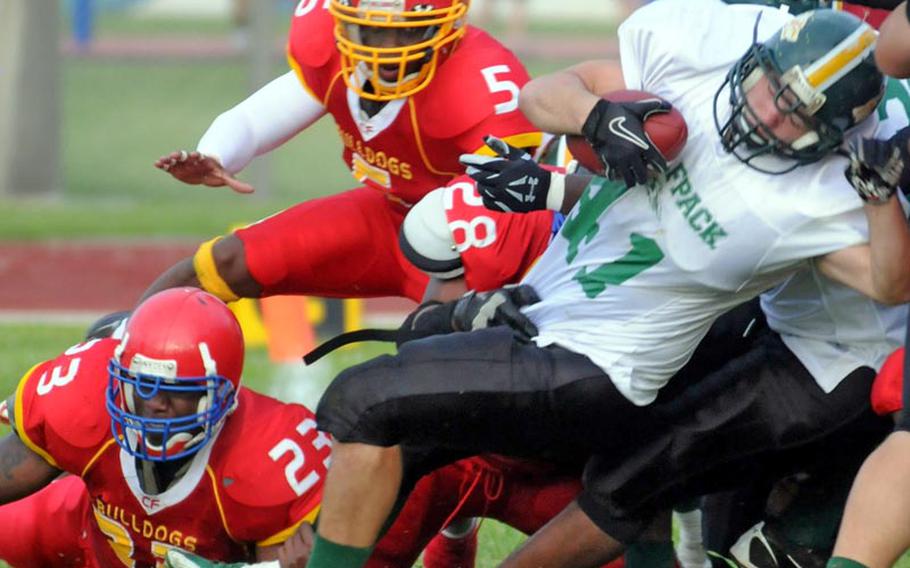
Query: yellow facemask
point(394, 45)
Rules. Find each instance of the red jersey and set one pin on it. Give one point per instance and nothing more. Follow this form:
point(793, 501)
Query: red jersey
point(411, 145)
point(254, 484)
point(496, 248)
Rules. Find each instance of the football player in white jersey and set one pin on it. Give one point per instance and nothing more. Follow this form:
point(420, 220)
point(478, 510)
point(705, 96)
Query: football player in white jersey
point(635, 276)
point(827, 333)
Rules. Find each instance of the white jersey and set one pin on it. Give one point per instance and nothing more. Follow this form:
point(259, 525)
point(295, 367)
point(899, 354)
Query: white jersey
point(831, 328)
point(635, 278)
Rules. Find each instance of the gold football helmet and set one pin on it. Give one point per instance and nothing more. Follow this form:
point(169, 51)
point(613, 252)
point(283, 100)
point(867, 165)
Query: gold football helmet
point(390, 49)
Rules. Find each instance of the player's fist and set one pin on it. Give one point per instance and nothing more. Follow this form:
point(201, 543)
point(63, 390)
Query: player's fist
point(878, 168)
point(479, 310)
point(616, 132)
point(195, 168)
point(473, 311)
point(510, 180)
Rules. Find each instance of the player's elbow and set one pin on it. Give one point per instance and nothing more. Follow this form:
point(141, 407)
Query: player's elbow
point(531, 101)
point(893, 292)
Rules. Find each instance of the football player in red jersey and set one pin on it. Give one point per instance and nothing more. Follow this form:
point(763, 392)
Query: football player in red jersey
point(410, 87)
point(187, 472)
point(178, 455)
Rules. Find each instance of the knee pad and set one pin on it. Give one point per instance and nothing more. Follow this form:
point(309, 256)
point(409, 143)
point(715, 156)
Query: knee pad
point(207, 273)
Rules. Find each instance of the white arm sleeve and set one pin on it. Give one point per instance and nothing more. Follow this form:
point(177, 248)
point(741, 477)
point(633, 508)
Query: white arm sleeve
point(267, 119)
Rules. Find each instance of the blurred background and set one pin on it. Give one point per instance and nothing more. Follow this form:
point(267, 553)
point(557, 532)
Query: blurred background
point(93, 91)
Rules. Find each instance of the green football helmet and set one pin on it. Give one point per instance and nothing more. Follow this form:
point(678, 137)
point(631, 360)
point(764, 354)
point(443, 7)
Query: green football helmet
point(820, 66)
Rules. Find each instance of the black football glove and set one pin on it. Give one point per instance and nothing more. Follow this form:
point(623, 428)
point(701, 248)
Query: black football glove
point(878, 168)
point(616, 132)
point(509, 181)
point(479, 310)
point(474, 310)
point(430, 318)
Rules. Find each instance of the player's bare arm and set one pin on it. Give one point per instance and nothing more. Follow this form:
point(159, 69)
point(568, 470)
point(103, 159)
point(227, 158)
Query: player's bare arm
point(561, 101)
point(875, 269)
point(22, 471)
point(879, 269)
point(893, 51)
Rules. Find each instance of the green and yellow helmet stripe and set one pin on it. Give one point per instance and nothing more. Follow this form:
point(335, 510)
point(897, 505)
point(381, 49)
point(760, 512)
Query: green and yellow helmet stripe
point(846, 56)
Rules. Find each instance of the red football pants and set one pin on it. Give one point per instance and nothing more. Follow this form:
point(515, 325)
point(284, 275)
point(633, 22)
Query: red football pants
point(340, 246)
point(520, 494)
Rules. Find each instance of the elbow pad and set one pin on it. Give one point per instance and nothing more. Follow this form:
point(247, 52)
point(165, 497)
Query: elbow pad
point(426, 240)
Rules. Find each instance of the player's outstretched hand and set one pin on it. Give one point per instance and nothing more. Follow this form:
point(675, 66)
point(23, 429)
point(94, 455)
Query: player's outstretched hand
point(195, 168)
point(4, 412)
point(183, 559)
point(878, 168)
point(479, 310)
point(511, 180)
point(616, 132)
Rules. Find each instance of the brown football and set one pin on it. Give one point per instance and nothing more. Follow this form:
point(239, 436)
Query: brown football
point(667, 131)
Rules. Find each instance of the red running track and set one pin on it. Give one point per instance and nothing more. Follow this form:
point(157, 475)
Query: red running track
point(98, 276)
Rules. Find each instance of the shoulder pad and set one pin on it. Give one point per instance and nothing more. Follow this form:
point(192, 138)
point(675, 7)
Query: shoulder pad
point(311, 42)
point(270, 453)
point(479, 75)
point(426, 240)
point(60, 409)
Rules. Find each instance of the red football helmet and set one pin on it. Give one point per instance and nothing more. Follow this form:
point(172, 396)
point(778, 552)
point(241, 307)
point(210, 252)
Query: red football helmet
point(395, 45)
point(181, 342)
